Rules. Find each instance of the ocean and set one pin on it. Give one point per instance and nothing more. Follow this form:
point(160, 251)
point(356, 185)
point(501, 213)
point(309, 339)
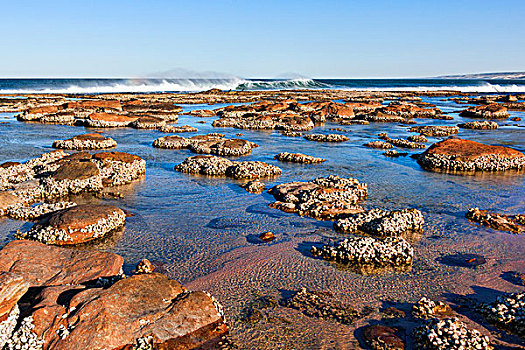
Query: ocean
point(140, 85)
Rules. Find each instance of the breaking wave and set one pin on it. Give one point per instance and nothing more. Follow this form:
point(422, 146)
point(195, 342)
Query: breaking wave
point(96, 86)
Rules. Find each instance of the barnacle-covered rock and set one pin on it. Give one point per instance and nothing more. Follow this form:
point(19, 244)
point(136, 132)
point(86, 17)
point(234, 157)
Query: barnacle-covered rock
point(379, 222)
point(464, 155)
point(507, 312)
point(77, 224)
point(512, 223)
point(86, 141)
point(298, 158)
point(368, 251)
point(326, 138)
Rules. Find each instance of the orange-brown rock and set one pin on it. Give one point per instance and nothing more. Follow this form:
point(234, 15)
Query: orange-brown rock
point(115, 104)
point(466, 155)
point(43, 265)
point(75, 225)
point(75, 170)
point(8, 200)
point(141, 306)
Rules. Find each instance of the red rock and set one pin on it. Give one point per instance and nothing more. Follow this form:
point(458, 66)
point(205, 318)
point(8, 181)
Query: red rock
point(139, 306)
point(12, 288)
point(516, 119)
point(42, 265)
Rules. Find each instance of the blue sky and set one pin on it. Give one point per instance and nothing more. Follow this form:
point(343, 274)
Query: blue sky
point(261, 39)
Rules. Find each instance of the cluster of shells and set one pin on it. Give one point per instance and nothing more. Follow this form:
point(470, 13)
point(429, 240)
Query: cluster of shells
point(51, 235)
point(8, 325)
point(20, 212)
point(210, 144)
point(449, 334)
point(218, 166)
point(492, 162)
point(477, 125)
point(298, 158)
point(326, 137)
point(388, 252)
point(507, 312)
point(426, 308)
point(24, 338)
point(382, 223)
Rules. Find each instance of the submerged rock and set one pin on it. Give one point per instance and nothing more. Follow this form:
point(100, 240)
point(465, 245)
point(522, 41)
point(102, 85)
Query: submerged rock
point(379, 337)
point(321, 305)
point(512, 223)
point(465, 155)
point(379, 144)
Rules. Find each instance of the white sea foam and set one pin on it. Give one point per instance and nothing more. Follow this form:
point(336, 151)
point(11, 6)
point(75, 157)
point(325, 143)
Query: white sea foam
point(487, 87)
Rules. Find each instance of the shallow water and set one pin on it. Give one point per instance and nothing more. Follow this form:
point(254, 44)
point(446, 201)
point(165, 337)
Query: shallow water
point(200, 229)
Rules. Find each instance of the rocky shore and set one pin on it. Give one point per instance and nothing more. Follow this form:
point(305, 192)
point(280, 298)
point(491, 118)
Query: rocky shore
point(368, 250)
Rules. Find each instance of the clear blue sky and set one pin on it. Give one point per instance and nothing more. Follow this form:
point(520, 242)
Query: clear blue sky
point(126, 38)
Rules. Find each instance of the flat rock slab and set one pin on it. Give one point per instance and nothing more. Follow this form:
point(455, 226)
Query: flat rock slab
point(75, 225)
point(43, 265)
point(490, 111)
point(141, 306)
point(465, 155)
